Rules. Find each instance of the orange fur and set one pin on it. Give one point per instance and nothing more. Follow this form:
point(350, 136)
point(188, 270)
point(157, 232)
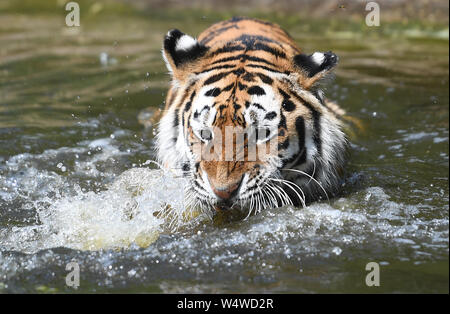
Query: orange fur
point(235, 55)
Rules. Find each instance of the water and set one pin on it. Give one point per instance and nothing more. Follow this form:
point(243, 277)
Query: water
point(77, 184)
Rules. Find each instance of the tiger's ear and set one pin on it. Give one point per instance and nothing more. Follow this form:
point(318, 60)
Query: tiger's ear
point(315, 66)
point(179, 49)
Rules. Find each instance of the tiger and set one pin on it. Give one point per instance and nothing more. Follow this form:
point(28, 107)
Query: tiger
point(250, 75)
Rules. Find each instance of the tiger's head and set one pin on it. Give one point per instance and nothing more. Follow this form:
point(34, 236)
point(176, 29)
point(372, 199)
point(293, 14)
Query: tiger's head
point(247, 124)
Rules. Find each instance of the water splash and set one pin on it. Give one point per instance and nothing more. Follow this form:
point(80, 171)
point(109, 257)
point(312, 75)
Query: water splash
point(128, 212)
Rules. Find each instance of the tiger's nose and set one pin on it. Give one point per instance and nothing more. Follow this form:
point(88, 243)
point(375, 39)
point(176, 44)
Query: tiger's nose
point(227, 192)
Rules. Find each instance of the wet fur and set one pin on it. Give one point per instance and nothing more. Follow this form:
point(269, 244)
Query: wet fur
point(244, 72)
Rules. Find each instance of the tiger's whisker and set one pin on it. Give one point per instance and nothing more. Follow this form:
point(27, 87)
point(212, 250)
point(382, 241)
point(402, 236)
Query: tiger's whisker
point(308, 175)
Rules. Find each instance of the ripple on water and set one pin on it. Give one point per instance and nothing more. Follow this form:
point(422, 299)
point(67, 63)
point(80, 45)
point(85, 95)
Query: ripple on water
point(126, 213)
point(116, 232)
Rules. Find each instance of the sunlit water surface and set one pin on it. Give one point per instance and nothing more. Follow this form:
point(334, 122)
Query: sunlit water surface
point(77, 182)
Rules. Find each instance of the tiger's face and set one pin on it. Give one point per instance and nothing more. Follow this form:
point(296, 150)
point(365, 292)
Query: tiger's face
point(245, 124)
point(233, 133)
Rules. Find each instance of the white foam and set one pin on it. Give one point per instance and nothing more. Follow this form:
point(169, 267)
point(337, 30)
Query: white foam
point(123, 215)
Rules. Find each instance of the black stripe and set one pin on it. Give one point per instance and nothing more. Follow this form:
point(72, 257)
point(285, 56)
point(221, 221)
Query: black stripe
point(250, 40)
point(253, 43)
point(185, 95)
point(301, 158)
point(214, 92)
point(188, 106)
point(300, 128)
point(265, 78)
point(227, 48)
point(227, 88)
point(275, 52)
point(284, 94)
point(256, 90)
point(282, 123)
point(242, 58)
point(189, 103)
point(317, 132)
point(185, 167)
point(317, 94)
point(248, 77)
point(266, 68)
point(256, 59)
point(215, 33)
point(198, 184)
point(186, 92)
point(316, 122)
point(176, 119)
point(241, 86)
point(186, 109)
point(216, 78)
point(225, 66)
point(259, 106)
point(228, 59)
point(239, 71)
point(271, 115)
point(288, 105)
point(207, 108)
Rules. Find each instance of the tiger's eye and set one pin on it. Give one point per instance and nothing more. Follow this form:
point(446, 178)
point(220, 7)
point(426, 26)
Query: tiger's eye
point(206, 135)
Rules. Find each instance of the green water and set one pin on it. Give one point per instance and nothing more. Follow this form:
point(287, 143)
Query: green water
point(69, 122)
